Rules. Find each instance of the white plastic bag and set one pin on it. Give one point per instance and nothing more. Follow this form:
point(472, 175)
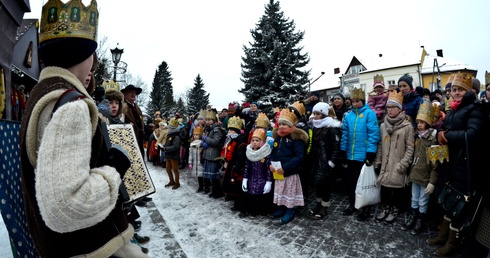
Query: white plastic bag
point(367, 190)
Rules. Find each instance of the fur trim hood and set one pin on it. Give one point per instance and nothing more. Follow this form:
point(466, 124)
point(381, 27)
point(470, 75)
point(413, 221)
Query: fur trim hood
point(297, 134)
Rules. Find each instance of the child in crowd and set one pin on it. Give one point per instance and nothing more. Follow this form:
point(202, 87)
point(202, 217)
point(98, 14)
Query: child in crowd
point(172, 153)
point(257, 178)
point(324, 155)
point(287, 155)
point(394, 156)
point(195, 150)
point(423, 173)
point(161, 142)
point(212, 145)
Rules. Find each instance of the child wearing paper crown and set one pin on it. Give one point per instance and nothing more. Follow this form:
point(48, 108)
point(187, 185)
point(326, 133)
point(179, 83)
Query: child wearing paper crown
point(257, 178)
point(289, 151)
point(394, 156)
point(324, 155)
point(423, 173)
point(195, 150)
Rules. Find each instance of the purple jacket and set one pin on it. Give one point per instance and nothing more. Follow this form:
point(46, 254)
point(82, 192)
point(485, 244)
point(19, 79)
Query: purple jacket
point(257, 173)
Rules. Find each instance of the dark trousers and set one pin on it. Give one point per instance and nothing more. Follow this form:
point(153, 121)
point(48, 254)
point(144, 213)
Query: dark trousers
point(353, 171)
point(393, 196)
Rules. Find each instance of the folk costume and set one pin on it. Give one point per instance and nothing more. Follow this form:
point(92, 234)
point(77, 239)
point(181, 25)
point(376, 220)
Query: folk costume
point(71, 198)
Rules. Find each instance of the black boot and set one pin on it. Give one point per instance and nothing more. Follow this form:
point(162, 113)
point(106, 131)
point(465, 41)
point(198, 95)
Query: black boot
point(217, 192)
point(410, 222)
point(419, 225)
point(317, 209)
point(207, 183)
point(364, 214)
point(201, 184)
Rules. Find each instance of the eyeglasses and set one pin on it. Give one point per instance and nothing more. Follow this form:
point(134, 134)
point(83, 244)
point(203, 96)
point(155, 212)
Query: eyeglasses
point(391, 107)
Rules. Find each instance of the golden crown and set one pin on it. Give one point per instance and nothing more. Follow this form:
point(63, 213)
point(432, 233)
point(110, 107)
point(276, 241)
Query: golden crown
point(451, 78)
point(198, 130)
point(70, 20)
point(358, 94)
point(202, 114)
point(235, 122)
point(173, 122)
point(259, 133)
point(262, 121)
point(463, 80)
point(437, 111)
point(437, 153)
point(289, 115)
point(396, 96)
point(426, 112)
point(111, 85)
point(211, 114)
point(299, 107)
point(379, 80)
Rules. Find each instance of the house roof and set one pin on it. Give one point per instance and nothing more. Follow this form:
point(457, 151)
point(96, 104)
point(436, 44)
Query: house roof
point(446, 65)
point(24, 27)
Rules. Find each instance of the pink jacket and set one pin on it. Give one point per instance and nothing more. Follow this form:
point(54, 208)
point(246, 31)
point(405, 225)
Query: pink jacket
point(377, 103)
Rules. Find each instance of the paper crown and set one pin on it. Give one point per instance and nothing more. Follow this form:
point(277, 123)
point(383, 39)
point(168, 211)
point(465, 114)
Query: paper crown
point(396, 97)
point(463, 80)
point(288, 116)
point(173, 122)
point(426, 112)
point(437, 153)
point(451, 78)
point(198, 130)
point(111, 85)
point(202, 114)
point(262, 121)
point(235, 122)
point(70, 20)
point(259, 133)
point(378, 81)
point(358, 94)
point(211, 114)
point(298, 107)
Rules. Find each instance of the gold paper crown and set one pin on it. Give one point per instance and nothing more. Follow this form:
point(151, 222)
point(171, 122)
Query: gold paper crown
point(262, 121)
point(437, 111)
point(451, 78)
point(396, 96)
point(437, 153)
point(202, 114)
point(289, 115)
point(70, 20)
point(235, 122)
point(111, 85)
point(211, 114)
point(299, 107)
point(426, 112)
point(358, 94)
point(379, 80)
point(198, 130)
point(173, 122)
point(463, 80)
point(259, 133)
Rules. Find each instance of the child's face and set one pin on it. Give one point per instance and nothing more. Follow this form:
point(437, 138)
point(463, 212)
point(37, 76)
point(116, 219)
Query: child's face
point(197, 136)
point(209, 121)
point(421, 125)
point(255, 143)
point(283, 126)
point(230, 132)
point(393, 111)
point(317, 115)
point(201, 121)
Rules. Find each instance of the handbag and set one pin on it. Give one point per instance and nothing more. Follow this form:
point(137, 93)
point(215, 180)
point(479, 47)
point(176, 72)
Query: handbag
point(451, 200)
point(368, 192)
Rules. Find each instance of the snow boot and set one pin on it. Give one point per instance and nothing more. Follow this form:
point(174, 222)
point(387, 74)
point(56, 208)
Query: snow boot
point(441, 238)
point(364, 214)
point(392, 215)
point(450, 245)
point(317, 208)
point(385, 210)
point(279, 212)
point(200, 180)
point(323, 211)
point(410, 222)
point(288, 216)
point(419, 225)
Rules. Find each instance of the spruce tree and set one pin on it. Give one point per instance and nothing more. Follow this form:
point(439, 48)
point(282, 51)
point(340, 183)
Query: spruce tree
point(162, 93)
point(271, 67)
point(180, 107)
point(197, 97)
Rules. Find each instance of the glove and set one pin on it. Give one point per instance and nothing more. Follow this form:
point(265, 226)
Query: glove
point(267, 187)
point(244, 185)
point(204, 137)
point(429, 189)
point(331, 164)
point(190, 166)
point(118, 158)
point(205, 145)
point(377, 170)
point(370, 156)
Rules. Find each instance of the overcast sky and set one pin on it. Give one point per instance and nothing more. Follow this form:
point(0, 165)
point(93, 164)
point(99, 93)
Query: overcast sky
point(206, 37)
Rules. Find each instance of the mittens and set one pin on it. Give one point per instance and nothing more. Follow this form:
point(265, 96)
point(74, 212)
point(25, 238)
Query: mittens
point(245, 185)
point(205, 145)
point(267, 187)
point(429, 189)
point(190, 166)
point(370, 156)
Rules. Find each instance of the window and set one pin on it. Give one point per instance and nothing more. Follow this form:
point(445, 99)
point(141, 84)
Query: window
point(391, 82)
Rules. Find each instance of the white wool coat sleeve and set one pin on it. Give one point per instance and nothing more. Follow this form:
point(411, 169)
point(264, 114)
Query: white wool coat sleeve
point(71, 196)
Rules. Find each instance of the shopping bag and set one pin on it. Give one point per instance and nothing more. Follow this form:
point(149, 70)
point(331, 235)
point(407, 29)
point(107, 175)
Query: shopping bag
point(367, 190)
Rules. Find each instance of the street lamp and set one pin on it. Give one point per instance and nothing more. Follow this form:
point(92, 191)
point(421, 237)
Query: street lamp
point(116, 57)
point(310, 83)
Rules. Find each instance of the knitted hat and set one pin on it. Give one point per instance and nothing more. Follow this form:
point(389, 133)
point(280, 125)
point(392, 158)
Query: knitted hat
point(476, 85)
point(339, 95)
point(406, 78)
point(255, 103)
point(202, 114)
point(231, 108)
point(173, 123)
point(395, 98)
point(246, 104)
point(314, 93)
point(321, 107)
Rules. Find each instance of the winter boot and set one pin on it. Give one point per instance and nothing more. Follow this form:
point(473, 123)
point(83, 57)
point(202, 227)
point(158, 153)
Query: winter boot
point(288, 216)
point(393, 214)
point(364, 214)
point(410, 222)
point(200, 180)
point(171, 178)
point(385, 210)
point(349, 211)
point(207, 183)
point(217, 192)
point(323, 211)
point(419, 224)
point(317, 208)
point(279, 212)
point(451, 243)
point(177, 182)
point(441, 238)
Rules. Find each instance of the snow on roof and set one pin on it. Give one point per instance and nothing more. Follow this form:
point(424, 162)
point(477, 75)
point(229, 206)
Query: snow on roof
point(445, 65)
point(326, 82)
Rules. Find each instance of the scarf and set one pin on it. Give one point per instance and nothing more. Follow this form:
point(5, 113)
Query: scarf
point(256, 155)
point(454, 104)
point(285, 131)
point(422, 133)
point(394, 122)
point(326, 122)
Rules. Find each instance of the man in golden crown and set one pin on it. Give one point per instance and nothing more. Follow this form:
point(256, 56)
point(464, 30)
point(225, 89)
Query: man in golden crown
point(70, 191)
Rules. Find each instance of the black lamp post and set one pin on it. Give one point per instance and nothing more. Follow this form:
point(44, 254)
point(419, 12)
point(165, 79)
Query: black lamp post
point(310, 83)
point(116, 57)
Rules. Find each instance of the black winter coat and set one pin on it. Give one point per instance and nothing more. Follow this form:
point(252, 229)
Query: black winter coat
point(172, 145)
point(469, 118)
point(325, 147)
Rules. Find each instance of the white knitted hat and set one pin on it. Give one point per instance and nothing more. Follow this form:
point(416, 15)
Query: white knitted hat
point(321, 107)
